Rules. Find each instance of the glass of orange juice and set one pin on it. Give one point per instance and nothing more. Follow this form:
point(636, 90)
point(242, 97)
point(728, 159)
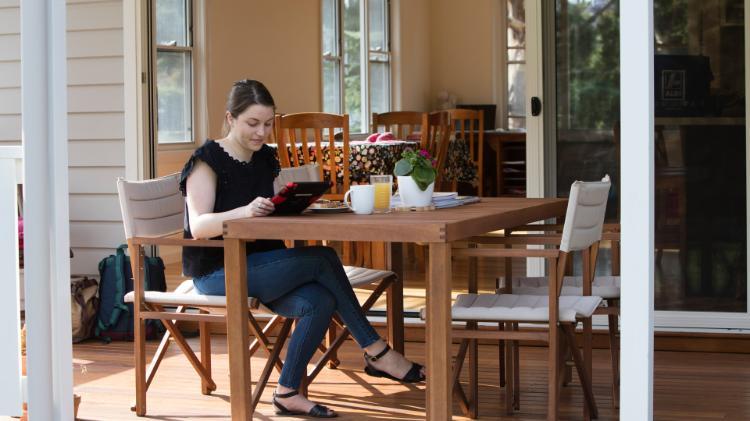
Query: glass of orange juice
point(383, 189)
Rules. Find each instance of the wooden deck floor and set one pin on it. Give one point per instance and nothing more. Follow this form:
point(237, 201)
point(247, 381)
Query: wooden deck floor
point(688, 386)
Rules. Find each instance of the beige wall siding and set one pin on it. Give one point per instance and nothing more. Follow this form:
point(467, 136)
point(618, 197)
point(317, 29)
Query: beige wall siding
point(10, 73)
point(96, 145)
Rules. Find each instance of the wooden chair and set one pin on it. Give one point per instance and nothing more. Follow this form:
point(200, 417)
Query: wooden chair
point(582, 231)
point(469, 126)
point(403, 124)
point(293, 129)
point(375, 280)
point(605, 286)
point(435, 138)
point(153, 212)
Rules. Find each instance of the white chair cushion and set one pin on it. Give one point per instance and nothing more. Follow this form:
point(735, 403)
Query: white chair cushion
point(186, 295)
point(522, 308)
point(363, 276)
point(606, 286)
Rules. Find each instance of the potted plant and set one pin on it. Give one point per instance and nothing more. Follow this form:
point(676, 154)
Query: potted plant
point(416, 174)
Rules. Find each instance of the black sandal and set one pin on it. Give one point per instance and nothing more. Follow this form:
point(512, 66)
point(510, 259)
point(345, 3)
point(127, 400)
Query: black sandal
point(414, 375)
point(317, 411)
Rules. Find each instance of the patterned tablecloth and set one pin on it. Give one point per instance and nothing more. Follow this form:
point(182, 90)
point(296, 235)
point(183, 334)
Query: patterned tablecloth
point(368, 158)
point(365, 158)
point(458, 165)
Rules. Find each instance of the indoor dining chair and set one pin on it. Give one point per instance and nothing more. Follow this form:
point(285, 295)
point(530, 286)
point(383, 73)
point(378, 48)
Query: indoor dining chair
point(308, 137)
point(405, 125)
point(435, 139)
point(468, 126)
point(153, 212)
point(582, 231)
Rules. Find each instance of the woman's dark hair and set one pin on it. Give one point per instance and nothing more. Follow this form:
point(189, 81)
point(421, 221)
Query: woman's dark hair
point(245, 93)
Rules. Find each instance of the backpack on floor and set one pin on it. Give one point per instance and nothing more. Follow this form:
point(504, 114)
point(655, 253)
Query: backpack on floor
point(115, 317)
point(84, 304)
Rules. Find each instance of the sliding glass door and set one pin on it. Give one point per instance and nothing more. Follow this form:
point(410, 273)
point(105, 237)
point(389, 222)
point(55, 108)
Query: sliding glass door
point(699, 133)
point(700, 148)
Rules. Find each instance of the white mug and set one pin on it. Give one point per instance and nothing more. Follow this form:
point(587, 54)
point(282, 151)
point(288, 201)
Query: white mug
point(362, 199)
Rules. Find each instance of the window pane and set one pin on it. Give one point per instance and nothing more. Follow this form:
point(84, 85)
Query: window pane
point(516, 122)
point(171, 22)
point(516, 54)
point(517, 89)
point(380, 89)
point(331, 87)
point(352, 34)
point(516, 23)
point(377, 20)
point(174, 94)
point(330, 21)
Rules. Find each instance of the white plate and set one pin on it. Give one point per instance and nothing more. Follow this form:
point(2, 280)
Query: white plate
point(340, 209)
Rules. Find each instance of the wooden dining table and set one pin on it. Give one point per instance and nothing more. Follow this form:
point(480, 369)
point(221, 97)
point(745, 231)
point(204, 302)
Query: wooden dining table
point(437, 228)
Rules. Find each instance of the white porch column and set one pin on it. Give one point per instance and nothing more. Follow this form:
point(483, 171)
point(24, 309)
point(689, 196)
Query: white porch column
point(637, 193)
point(46, 223)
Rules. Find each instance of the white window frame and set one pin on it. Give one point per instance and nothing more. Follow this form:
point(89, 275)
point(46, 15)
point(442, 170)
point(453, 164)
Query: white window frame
point(196, 42)
point(502, 63)
point(366, 55)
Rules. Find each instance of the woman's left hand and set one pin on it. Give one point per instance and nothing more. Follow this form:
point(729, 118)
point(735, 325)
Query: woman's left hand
point(261, 207)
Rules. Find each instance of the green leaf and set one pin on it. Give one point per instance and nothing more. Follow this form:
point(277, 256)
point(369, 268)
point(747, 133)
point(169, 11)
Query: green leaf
point(423, 177)
point(403, 167)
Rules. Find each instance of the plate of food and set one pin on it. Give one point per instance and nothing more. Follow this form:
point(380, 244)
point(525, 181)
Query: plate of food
point(329, 206)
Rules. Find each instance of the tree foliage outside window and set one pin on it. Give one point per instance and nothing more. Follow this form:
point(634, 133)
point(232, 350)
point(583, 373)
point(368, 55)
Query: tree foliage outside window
point(591, 86)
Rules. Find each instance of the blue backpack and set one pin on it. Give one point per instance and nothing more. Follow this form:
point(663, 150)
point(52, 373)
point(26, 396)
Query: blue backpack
point(114, 320)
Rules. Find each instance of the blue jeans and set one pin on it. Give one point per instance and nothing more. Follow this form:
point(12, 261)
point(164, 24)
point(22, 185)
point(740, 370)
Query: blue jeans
point(305, 283)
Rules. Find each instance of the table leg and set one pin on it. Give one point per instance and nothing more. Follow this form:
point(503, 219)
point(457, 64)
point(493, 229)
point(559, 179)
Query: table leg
point(438, 338)
point(395, 297)
point(235, 264)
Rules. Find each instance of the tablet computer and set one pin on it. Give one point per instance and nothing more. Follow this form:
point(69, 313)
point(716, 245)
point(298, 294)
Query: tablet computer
point(297, 196)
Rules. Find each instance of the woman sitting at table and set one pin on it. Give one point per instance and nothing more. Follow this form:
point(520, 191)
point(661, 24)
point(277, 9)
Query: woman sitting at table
point(232, 178)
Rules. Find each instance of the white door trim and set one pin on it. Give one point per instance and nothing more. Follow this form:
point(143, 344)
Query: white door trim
point(534, 88)
point(534, 124)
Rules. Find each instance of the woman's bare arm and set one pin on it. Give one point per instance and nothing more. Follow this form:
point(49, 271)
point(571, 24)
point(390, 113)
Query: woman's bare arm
point(201, 196)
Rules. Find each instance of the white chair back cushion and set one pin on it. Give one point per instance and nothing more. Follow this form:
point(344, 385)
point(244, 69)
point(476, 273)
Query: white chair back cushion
point(585, 215)
point(308, 172)
point(151, 208)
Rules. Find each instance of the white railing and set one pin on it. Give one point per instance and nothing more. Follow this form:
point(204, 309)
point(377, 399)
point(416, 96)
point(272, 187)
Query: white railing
point(11, 174)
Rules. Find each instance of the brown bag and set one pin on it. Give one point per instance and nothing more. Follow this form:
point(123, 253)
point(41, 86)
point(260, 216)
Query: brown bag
point(84, 304)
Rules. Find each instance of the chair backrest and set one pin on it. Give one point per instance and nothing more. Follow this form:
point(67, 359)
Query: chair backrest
point(435, 137)
point(469, 125)
point(294, 130)
point(308, 172)
point(151, 208)
point(401, 123)
point(584, 218)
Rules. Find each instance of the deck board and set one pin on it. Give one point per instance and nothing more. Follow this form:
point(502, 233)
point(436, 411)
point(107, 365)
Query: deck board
point(687, 386)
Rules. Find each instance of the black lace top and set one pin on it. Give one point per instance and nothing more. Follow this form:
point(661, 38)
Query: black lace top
point(237, 184)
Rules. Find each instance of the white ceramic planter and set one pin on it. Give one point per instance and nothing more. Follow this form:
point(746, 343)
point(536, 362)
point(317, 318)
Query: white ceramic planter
point(411, 194)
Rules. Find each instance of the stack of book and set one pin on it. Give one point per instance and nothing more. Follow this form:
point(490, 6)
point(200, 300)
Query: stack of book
point(451, 199)
point(441, 200)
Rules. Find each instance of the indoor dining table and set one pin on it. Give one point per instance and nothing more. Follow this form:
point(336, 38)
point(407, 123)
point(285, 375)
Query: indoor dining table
point(437, 228)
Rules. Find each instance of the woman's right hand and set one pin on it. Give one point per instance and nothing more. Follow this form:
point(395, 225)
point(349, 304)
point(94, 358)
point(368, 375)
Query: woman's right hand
point(259, 207)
